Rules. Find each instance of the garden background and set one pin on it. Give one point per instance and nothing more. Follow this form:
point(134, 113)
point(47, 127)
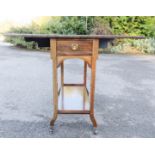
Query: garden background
point(100, 25)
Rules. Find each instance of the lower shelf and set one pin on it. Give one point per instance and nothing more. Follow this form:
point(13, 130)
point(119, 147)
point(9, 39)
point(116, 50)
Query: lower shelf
point(73, 99)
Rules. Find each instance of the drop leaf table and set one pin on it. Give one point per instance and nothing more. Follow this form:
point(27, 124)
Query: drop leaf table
point(79, 100)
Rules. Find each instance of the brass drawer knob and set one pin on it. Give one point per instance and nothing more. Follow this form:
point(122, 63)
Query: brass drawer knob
point(74, 46)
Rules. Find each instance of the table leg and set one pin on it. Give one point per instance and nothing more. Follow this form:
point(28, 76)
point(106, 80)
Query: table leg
point(55, 84)
point(92, 87)
point(92, 91)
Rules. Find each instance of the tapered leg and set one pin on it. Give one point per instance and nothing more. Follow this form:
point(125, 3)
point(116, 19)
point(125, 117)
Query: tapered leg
point(55, 85)
point(92, 118)
point(92, 91)
point(92, 88)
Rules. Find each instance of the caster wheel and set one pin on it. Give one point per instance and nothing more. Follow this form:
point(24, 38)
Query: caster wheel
point(52, 130)
point(95, 132)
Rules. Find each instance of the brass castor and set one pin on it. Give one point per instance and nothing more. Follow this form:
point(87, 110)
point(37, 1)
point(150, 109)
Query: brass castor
point(95, 131)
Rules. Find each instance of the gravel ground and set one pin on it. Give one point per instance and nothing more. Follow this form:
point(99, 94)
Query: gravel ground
point(124, 98)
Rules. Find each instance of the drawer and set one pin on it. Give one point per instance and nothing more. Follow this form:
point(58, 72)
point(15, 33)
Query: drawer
point(74, 47)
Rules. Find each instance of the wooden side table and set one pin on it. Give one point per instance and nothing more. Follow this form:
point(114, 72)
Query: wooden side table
point(85, 47)
point(80, 100)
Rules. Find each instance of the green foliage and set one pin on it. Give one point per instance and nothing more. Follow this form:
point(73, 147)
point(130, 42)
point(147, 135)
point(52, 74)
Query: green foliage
point(116, 49)
point(33, 28)
point(123, 25)
point(69, 25)
point(130, 25)
point(20, 42)
point(144, 46)
point(133, 25)
point(101, 25)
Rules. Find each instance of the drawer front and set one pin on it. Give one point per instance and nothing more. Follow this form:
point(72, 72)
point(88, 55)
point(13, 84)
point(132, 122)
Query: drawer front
point(74, 47)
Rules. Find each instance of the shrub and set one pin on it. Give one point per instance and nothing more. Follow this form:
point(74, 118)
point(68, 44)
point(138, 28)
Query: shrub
point(129, 25)
point(145, 46)
point(20, 42)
